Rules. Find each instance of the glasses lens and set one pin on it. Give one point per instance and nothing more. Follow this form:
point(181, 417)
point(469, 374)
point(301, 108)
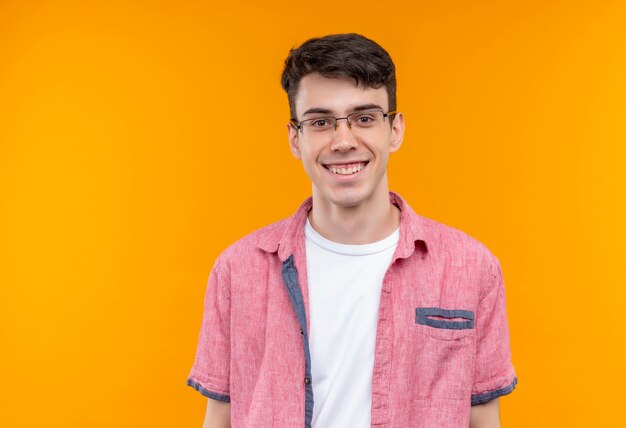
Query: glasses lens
point(366, 119)
point(318, 125)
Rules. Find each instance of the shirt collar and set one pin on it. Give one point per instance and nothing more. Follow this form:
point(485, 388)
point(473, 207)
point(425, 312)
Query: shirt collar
point(287, 236)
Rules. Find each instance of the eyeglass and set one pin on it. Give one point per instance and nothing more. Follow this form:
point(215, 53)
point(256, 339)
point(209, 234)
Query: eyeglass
point(361, 120)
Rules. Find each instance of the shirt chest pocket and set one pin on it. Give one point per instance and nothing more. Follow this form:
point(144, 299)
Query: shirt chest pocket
point(445, 324)
point(445, 353)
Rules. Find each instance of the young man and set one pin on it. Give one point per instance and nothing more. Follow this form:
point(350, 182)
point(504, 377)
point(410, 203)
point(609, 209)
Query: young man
point(355, 311)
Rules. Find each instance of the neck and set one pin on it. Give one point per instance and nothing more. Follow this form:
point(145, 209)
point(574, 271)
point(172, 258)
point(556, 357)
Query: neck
point(368, 222)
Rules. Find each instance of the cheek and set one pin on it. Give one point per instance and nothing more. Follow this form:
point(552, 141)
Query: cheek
point(307, 159)
point(309, 154)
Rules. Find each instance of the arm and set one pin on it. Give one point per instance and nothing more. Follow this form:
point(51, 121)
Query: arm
point(494, 374)
point(217, 414)
point(210, 374)
point(486, 415)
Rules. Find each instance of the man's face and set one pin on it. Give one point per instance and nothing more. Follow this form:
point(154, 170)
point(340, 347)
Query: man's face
point(324, 159)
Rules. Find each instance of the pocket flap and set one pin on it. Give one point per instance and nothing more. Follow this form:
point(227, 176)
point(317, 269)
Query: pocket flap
point(426, 316)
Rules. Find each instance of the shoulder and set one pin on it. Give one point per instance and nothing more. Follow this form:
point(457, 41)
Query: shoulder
point(455, 240)
point(446, 246)
point(458, 248)
point(253, 244)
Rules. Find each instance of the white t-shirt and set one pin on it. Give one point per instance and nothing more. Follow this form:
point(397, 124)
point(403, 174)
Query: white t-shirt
point(344, 293)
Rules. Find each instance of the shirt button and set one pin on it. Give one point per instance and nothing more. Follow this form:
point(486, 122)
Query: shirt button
point(307, 380)
point(302, 332)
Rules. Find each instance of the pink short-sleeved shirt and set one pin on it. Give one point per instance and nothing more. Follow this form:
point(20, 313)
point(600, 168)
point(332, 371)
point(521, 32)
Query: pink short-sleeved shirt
point(442, 340)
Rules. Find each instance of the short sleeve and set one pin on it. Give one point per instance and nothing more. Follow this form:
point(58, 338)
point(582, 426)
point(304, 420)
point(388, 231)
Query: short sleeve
point(211, 369)
point(494, 374)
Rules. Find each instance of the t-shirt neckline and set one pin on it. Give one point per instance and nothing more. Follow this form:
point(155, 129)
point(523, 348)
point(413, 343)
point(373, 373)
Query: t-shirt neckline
point(351, 249)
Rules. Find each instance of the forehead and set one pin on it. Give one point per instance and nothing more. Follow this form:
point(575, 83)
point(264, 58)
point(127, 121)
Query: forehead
point(338, 95)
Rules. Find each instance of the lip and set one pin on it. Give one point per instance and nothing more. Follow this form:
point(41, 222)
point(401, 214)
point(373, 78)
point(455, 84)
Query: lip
point(327, 164)
point(348, 177)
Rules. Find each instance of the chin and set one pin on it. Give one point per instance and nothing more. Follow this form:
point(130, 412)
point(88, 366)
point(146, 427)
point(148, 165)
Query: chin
point(348, 200)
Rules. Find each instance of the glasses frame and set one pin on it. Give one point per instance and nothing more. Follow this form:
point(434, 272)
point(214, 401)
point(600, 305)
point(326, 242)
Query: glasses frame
point(298, 125)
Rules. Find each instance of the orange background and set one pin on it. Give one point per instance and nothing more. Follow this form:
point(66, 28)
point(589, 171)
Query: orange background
point(139, 139)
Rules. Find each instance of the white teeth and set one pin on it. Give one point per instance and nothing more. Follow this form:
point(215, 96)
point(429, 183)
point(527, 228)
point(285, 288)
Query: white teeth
point(346, 171)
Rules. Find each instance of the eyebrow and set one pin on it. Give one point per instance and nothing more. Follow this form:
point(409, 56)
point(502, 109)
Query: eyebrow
point(361, 107)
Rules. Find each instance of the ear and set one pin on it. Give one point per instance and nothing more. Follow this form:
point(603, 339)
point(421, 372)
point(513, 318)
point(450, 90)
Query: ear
point(294, 143)
point(397, 133)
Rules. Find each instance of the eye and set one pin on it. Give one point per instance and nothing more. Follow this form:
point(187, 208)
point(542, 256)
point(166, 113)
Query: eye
point(321, 123)
point(364, 119)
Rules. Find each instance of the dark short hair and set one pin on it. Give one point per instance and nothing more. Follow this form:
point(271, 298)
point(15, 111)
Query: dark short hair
point(340, 55)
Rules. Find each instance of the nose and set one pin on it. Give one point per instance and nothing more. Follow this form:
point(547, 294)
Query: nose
point(343, 138)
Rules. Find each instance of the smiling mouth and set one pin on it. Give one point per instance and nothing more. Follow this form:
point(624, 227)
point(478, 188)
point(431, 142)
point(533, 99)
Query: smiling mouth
point(346, 169)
